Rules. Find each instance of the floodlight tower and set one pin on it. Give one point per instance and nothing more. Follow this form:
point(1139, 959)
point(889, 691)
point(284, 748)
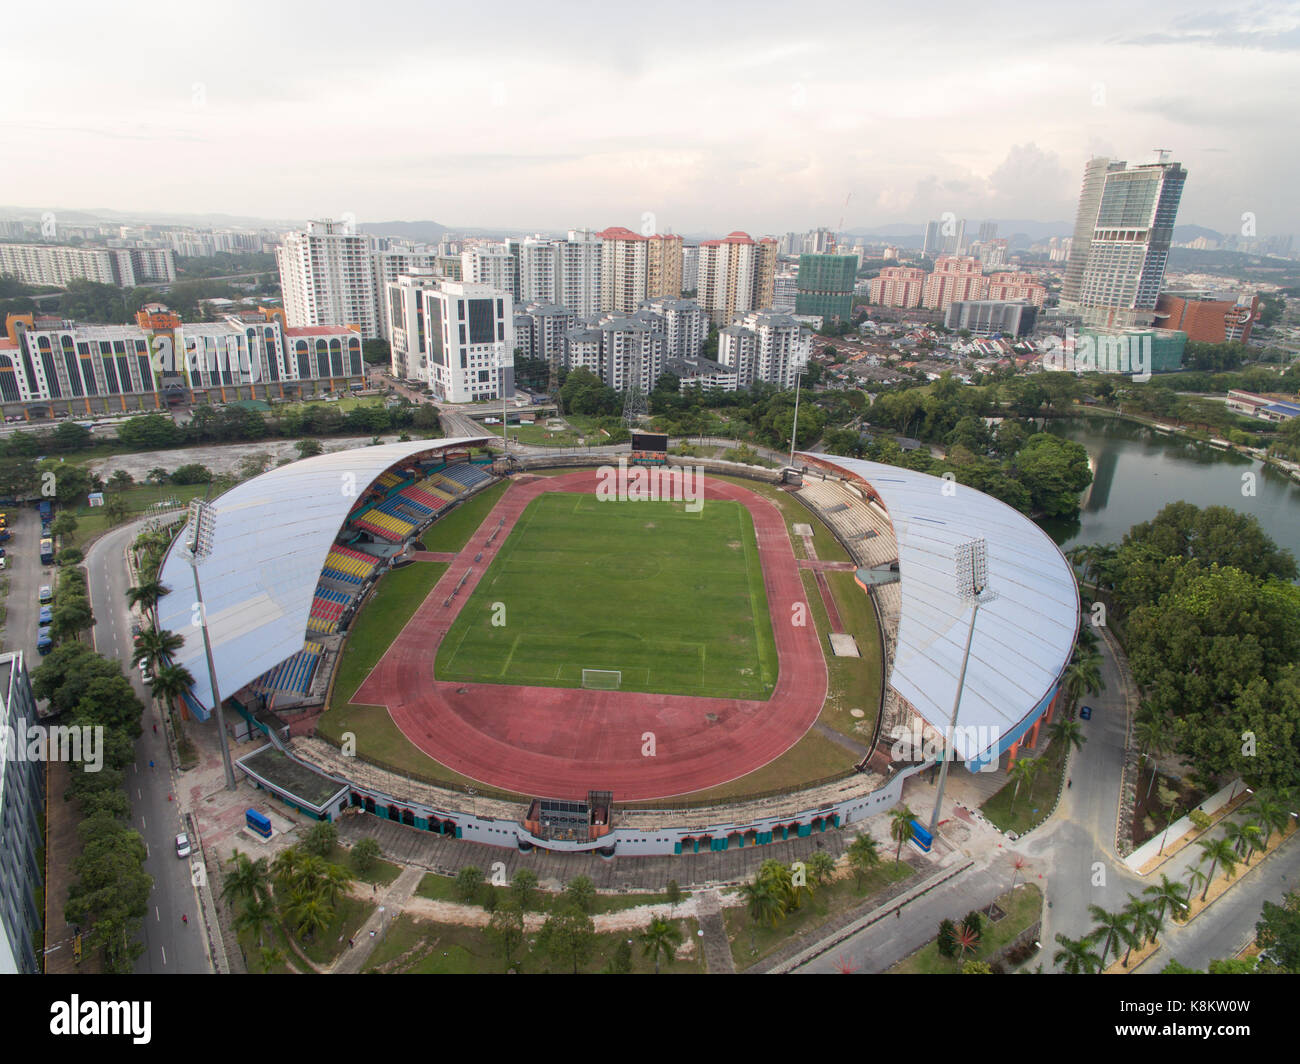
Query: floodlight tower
point(501, 365)
point(199, 537)
point(972, 571)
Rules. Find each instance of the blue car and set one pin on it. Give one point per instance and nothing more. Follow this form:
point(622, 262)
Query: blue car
point(43, 641)
point(1085, 712)
point(47, 615)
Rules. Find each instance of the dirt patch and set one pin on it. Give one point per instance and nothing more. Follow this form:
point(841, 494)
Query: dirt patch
point(734, 544)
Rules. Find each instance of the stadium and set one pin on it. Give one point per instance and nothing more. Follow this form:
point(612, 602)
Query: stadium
point(637, 659)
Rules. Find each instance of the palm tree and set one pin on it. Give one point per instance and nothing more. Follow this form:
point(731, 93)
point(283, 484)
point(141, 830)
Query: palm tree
point(779, 881)
point(763, 905)
point(660, 938)
point(309, 912)
point(156, 647)
point(1217, 852)
point(1270, 816)
point(1195, 877)
point(900, 826)
point(1076, 956)
point(147, 593)
point(821, 865)
point(334, 882)
point(246, 880)
point(285, 867)
point(1168, 893)
point(1139, 915)
point(1245, 839)
point(1017, 864)
point(271, 957)
point(256, 915)
point(1083, 675)
point(1109, 926)
point(1152, 733)
point(864, 854)
point(1023, 771)
point(1069, 732)
point(171, 683)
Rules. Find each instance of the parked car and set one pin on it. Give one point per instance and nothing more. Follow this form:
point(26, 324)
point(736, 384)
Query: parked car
point(1085, 712)
point(182, 845)
point(43, 640)
point(47, 593)
point(47, 615)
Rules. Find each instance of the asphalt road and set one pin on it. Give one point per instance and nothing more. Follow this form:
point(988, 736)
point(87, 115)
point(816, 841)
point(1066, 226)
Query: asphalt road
point(171, 946)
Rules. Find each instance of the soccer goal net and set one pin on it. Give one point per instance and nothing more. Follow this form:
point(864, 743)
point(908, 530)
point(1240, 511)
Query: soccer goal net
point(602, 679)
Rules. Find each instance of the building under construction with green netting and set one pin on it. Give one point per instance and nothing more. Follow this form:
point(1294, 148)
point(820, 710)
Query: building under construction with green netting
point(825, 286)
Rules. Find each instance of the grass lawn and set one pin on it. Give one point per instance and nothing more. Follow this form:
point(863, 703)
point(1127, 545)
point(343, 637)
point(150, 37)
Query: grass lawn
point(426, 948)
point(383, 872)
point(443, 888)
point(854, 683)
point(795, 512)
point(601, 585)
point(138, 498)
point(1021, 911)
point(349, 914)
point(452, 532)
point(829, 901)
point(1008, 812)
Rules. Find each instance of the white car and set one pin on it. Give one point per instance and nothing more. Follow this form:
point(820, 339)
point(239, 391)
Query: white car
point(182, 845)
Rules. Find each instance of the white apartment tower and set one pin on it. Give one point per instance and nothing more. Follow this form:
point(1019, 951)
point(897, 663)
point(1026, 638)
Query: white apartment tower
point(327, 277)
point(772, 348)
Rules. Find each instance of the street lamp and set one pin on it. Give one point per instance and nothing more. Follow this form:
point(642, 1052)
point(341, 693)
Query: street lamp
point(198, 545)
point(794, 427)
point(501, 365)
point(972, 571)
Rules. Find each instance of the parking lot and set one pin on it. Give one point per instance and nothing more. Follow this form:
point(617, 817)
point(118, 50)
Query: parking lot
point(25, 575)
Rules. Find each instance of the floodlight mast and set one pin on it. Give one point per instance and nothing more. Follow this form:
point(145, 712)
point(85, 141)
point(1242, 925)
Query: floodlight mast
point(198, 545)
point(972, 571)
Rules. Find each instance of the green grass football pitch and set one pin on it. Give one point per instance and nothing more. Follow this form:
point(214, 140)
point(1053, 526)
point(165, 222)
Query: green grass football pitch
point(673, 600)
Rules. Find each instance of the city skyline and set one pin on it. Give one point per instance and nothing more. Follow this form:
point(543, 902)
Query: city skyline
point(767, 119)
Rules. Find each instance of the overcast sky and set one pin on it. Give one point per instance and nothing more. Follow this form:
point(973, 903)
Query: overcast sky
point(708, 115)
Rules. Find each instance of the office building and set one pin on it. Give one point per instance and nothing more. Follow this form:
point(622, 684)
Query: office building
point(991, 317)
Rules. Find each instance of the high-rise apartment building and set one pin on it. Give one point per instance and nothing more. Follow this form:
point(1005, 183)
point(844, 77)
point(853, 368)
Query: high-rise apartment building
point(327, 277)
point(825, 286)
point(1016, 286)
point(489, 264)
point(635, 267)
point(898, 286)
point(683, 323)
point(690, 268)
point(53, 264)
point(1122, 235)
point(391, 264)
point(737, 275)
point(767, 347)
point(954, 278)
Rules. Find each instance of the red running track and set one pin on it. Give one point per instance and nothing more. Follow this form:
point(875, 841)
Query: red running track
point(561, 743)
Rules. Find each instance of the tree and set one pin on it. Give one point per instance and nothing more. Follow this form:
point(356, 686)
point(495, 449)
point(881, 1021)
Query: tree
point(506, 928)
point(115, 509)
point(1142, 924)
point(146, 594)
point(968, 934)
point(821, 866)
point(1270, 816)
point(172, 682)
point(1023, 771)
point(660, 940)
point(192, 474)
point(1168, 894)
point(523, 887)
point(308, 912)
point(974, 967)
point(1069, 732)
point(1245, 839)
point(308, 448)
point(65, 525)
point(1110, 926)
point(946, 940)
point(1217, 852)
point(1082, 676)
point(468, 882)
point(365, 855)
point(580, 893)
point(376, 352)
point(864, 854)
point(320, 839)
point(763, 904)
point(568, 937)
point(621, 962)
point(900, 826)
point(1278, 934)
point(247, 880)
point(256, 915)
point(1076, 956)
point(155, 647)
point(72, 616)
point(675, 895)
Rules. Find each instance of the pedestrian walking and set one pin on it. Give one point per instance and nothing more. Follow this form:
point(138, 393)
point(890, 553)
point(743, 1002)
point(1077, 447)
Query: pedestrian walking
point(155, 729)
point(899, 912)
point(1069, 783)
point(185, 918)
point(151, 764)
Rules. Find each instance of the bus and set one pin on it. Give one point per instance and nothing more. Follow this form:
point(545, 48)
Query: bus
point(47, 551)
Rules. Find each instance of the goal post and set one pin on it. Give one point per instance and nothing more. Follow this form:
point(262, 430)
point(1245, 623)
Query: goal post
point(602, 679)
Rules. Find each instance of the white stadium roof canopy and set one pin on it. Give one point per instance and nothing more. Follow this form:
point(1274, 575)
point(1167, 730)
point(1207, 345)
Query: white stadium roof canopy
point(271, 538)
point(1023, 639)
